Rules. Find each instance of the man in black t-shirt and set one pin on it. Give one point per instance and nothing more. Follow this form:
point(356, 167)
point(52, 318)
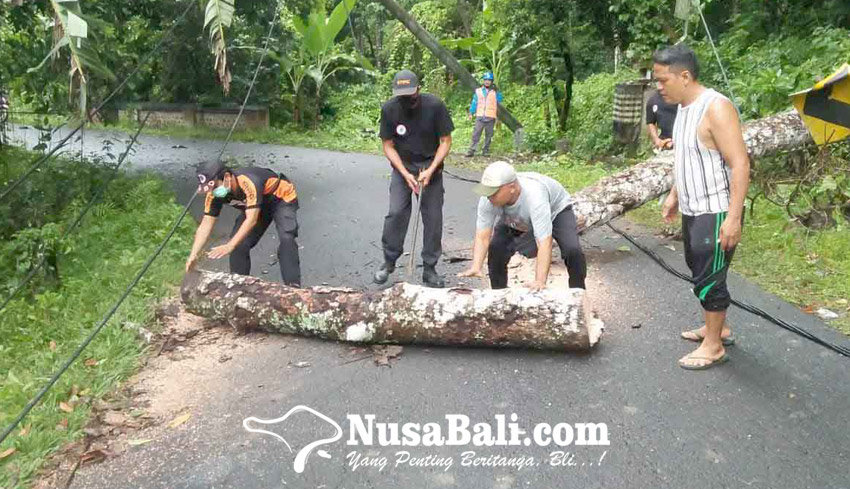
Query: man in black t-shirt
point(416, 130)
point(660, 117)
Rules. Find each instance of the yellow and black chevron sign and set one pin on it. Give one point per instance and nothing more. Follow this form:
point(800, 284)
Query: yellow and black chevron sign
point(825, 108)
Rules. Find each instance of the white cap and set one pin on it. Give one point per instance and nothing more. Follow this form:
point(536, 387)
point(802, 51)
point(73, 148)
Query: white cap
point(497, 174)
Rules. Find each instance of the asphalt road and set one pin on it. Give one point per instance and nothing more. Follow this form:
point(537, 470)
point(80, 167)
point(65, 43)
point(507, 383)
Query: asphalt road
point(775, 416)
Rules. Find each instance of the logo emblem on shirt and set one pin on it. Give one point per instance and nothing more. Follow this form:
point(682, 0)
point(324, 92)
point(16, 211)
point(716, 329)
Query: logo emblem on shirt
point(401, 129)
point(655, 108)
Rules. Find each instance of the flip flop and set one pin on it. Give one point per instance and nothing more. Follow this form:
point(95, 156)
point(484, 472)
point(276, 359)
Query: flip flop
point(718, 361)
point(728, 341)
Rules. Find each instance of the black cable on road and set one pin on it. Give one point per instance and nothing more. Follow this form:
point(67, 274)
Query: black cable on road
point(41, 159)
point(138, 277)
point(80, 217)
point(458, 177)
point(742, 305)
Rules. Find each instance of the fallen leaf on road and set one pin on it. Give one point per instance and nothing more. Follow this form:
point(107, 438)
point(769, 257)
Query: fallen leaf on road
point(114, 418)
point(179, 420)
point(66, 407)
point(670, 247)
point(624, 248)
point(301, 364)
point(6, 453)
point(94, 456)
point(382, 354)
point(135, 443)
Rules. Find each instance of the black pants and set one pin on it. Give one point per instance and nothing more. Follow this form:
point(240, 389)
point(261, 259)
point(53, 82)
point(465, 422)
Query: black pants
point(398, 218)
point(506, 241)
point(708, 262)
point(285, 219)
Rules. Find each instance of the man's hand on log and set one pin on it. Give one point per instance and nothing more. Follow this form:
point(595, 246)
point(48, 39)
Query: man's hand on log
point(537, 286)
point(471, 272)
point(663, 143)
point(191, 262)
point(220, 251)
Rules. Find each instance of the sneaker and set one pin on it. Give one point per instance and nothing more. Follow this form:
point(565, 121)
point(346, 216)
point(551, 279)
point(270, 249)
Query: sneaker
point(432, 279)
point(485, 154)
point(470, 154)
point(383, 273)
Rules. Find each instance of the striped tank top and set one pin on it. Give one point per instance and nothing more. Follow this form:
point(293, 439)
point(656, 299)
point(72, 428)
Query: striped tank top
point(702, 175)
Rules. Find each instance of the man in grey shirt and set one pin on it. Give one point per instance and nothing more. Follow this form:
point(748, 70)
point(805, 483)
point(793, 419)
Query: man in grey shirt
point(525, 213)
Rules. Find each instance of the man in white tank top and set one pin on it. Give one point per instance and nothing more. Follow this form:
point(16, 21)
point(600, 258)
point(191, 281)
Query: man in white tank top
point(711, 176)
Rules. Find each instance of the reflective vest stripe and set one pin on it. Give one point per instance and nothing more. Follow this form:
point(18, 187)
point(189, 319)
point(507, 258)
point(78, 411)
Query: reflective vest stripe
point(487, 105)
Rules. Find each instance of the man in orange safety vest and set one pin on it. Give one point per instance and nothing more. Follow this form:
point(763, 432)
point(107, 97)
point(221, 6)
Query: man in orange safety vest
point(484, 107)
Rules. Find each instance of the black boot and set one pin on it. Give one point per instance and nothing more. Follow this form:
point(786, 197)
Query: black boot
point(383, 273)
point(431, 278)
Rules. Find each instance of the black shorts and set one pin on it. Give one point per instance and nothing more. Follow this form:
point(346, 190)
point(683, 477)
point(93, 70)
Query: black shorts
point(708, 262)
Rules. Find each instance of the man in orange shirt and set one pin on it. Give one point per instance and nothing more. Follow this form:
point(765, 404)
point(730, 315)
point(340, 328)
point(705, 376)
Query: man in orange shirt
point(262, 196)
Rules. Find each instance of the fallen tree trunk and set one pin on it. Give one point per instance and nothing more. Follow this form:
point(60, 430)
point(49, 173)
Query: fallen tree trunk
point(403, 314)
point(629, 189)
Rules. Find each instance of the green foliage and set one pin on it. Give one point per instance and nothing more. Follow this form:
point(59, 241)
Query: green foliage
point(589, 128)
point(812, 186)
point(318, 57)
point(97, 262)
point(218, 17)
point(764, 73)
point(438, 17)
point(646, 25)
point(489, 51)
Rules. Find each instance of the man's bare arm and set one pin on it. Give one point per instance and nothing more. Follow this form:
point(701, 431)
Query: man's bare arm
point(544, 262)
point(202, 235)
point(442, 152)
point(725, 129)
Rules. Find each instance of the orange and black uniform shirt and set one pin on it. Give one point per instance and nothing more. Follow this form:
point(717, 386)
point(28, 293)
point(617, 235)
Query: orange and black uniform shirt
point(255, 187)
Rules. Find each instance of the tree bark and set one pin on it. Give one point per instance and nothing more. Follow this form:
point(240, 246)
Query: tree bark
point(403, 314)
point(631, 188)
point(445, 57)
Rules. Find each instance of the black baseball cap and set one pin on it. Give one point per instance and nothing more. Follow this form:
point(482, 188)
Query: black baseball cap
point(208, 172)
point(405, 82)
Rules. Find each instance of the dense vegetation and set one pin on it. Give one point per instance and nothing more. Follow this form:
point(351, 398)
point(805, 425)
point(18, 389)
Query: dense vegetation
point(53, 315)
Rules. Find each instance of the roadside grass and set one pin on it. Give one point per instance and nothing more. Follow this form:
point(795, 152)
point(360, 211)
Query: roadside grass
point(42, 327)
